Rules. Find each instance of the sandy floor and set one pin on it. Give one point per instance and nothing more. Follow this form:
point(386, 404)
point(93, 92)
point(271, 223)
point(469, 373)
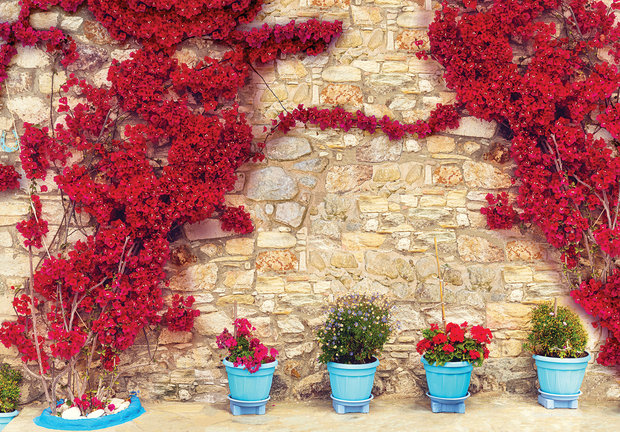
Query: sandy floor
point(483, 413)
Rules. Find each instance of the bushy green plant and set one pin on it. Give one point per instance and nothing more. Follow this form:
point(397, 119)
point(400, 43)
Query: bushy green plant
point(558, 333)
point(9, 388)
point(356, 329)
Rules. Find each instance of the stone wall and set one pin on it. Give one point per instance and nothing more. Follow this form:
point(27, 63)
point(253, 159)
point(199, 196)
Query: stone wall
point(334, 213)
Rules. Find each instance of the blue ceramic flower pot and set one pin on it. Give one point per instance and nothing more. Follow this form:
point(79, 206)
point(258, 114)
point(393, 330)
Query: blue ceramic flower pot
point(246, 386)
point(448, 381)
point(5, 418)
point(352, 382)
point(560, 376)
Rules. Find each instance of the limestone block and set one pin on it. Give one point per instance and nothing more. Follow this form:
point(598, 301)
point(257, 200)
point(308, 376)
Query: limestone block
point(522, 250)
point(275, 239)
point(43, 20)
point(290, 324)
point(349, 39)
point(372, 204)
point(290, 213)
point(200, 277)
point(329, 3)
point(287, 148)
point(484, 175)
point(367, 65)
point(355, 241)
point(71, 23)
point(342, 74)
point(278, 261)
point(316, 165)
point(239, 279)
point(341, 259)
point(440, 144)
point(30, 109)
point(271, 183)
point(346, 178)
point(507, 316)
point(9, 11)
point(518, 274)
point(449, 175)
point(406, 40)
point(478, 249)
point(291, 68)
point(417, 19)
point(240, 246)
point(366, 15)
point(167, 337)
point(473, 127)
point(235, 298)
point(379, 149)
point(342, 94)
point(205, 230)
point(386, 173)
point(45, 82)
point(269, 284)
point(212, 324)
point(379, 263)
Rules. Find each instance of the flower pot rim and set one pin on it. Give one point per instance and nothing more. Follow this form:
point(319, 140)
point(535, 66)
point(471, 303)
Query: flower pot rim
point(133, 411)
point(9, 414)
point(337, 365)
point(585, 359)
point(230, 364)
point(448, 364)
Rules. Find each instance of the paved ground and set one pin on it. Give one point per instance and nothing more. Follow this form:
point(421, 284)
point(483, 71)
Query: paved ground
point(484, 413)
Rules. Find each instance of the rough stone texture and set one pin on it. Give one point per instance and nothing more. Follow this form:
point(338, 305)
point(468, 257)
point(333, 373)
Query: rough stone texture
point(334, 212)
point(271, 183)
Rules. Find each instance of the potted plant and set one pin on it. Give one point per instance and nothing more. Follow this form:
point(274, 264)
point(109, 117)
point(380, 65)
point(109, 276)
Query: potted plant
point(9, 394)
point(250, 367)
point(557, 341)
point(449, 355)
point(353, 336)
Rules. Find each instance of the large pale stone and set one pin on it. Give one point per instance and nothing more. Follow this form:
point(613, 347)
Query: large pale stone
point(449, 175)
point(362, 240)
point(43, 20)
point(290, 324)
point(287, 148)
point(478, 249)
point(473, 127)
point(291, 68)
point(312, 165)
point(418, 19)
point(14, 264)
point(386, 173)
point(484, 175)
point(167, 337)
point(330, 3)
point(5, 239)
point(342, 74)
point(236, 298)
point(269, 284)
point(30, 109)
point(212, 324)
point(70, 23)
point(45, 82)
point(349, 39)
point(201, 277)
point(507, 316)
point(440, 144)
point(9, 11)
point(290, 213)
point(91, 58)
point(278, 261)
point(275, 239)
point(341, 259)
point(522, 250)
point(518, 274)
point(406, 40)
point(342, 94)
point(379, 149)
point(372, 204)
point(346, 178)
point(271, 183)
point(240, 246)
point(366, 15)
point(239, 279)
point(379, 263)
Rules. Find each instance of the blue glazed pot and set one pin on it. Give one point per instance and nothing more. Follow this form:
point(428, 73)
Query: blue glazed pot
point(352, 382)
point(246, 386)
point(561, 376)
point(448, 381)
point(5, 418)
